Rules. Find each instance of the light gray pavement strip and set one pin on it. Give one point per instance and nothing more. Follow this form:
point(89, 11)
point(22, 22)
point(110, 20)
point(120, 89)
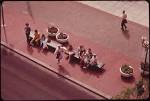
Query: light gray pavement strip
point(137, 11)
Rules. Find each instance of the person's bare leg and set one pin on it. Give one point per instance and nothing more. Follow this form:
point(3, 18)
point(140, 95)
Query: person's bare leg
point(31, 41)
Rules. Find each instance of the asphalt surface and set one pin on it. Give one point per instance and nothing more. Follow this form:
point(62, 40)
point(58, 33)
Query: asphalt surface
point(22, 79)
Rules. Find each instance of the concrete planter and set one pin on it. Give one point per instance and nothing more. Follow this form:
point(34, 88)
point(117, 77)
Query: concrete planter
point(52, 34)
point(126, 74)
point(62, 40)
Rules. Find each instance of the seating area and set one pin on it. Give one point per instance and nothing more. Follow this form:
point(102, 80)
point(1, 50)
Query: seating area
point(84, 57)
point(53, 44)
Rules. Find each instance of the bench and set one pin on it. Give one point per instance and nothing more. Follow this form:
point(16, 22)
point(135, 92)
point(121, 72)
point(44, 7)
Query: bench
point(100, 64)
point(53, 45)
point(76, 57)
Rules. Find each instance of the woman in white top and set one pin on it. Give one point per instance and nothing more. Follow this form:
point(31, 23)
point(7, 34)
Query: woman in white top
point(124, 21)
point(93, 60)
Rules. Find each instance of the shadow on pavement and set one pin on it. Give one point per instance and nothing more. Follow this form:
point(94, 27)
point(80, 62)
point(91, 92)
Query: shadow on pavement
point(72, 62)
point(96, 72)
point(29, 49)
point(126, 34)
point(62, 70)
point(39, 49)
point(128, 79)
point(45, 52)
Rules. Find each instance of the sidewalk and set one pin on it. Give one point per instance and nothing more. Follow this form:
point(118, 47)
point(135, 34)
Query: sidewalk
point(137, 11)
point(112, 47)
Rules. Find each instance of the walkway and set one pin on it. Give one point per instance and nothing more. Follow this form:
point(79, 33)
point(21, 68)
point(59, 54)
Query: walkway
point(138, 11)
point(97, 30)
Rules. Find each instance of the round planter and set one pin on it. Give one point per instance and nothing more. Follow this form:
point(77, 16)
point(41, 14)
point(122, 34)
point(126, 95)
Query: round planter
point(126, 74)
point(62, 40)
point(52, 34)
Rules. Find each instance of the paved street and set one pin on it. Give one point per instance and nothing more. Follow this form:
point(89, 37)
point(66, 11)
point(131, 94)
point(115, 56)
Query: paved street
point(22, 79)
point(93, 28)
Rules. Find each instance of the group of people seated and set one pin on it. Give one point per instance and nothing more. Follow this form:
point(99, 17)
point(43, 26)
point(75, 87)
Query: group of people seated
point(40, 40)
point(87, 57)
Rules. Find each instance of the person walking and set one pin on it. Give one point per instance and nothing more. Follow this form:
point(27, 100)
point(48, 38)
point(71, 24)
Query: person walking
point(27, 32)
point(59, 54)
point(124, 21)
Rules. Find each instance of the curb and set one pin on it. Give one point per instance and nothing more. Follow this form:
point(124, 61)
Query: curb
point(50, 68)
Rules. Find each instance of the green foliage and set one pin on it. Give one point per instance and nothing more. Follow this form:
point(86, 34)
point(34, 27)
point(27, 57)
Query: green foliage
point(126, 69)
point(137, 92)
point(139, 87)
point(125, 94)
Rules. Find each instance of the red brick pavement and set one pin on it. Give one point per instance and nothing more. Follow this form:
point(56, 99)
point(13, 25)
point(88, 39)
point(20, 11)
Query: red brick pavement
point(94, 29)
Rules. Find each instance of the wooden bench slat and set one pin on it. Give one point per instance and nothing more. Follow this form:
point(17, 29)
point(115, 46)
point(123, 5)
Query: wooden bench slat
point(53, 44)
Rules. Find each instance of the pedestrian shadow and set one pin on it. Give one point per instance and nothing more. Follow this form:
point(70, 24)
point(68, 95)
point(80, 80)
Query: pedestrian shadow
point(63, 71)
point(45, 51)
point(95, 72)
point(29, 49)
point(126, 34)
point(72, 63)
point(39, 49)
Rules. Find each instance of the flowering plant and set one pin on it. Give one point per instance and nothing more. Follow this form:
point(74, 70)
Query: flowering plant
point(126, 69)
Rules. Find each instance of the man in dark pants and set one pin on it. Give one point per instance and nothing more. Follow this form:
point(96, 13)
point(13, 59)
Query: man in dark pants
point(124, 21)
point(27, 32)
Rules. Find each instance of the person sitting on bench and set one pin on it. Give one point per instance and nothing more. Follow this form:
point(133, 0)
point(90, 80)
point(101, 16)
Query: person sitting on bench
point(89, 53)
point(80, 51)
point(93, 61)
point(47, 40)
point(42, 40)
point(36, 38)
point(85, 61)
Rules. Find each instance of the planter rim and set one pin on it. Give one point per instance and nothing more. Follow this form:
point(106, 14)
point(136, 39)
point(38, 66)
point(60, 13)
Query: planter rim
point(53, 34)
point(62, 40)
point(125, 74)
